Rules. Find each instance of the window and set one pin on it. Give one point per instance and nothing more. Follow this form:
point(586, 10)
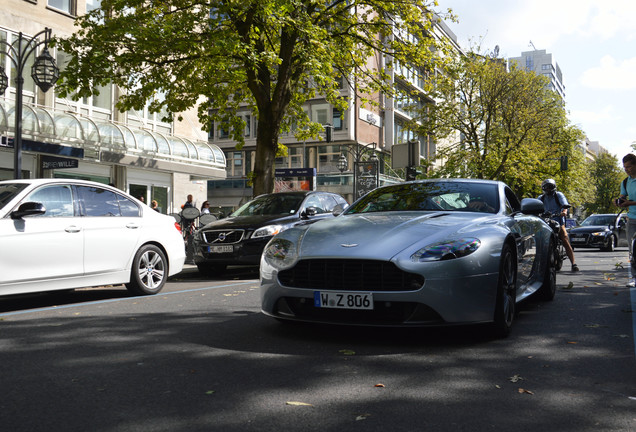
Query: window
point(328, 157)
point(234, 164)
point(57, 200)
point(320, 113)
point(99, 202)
point(67, 6)
point(338, 121)
point(294, 158)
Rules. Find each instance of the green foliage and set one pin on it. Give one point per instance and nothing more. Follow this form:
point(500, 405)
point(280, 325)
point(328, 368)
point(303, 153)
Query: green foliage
point(606, 177)
point(503, 124)
point(227, 56)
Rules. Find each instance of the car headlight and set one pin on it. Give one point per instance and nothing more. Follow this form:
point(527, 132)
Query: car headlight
point(280, 253)
point(598, 234)
point(446, 250)
point(268, 231)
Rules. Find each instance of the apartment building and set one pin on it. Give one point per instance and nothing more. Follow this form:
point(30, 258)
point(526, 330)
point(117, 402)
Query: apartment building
point(542, 63)
point(89, 138)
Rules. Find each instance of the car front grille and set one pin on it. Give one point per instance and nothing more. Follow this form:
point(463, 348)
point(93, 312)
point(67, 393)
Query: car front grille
point(349, 275)
point(223, 236)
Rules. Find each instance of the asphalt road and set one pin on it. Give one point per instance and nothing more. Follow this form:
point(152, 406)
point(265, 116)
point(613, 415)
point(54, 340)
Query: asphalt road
point(201, 357)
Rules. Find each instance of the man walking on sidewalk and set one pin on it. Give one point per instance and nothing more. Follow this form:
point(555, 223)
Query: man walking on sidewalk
point(627, 198)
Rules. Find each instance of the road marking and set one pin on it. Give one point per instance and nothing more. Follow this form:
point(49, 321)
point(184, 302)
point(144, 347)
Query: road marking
point(68, 306)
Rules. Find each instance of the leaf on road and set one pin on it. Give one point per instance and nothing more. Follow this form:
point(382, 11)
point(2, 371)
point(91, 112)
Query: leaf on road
point(379, 385)
point(347, 352)
point(621, 336)
point(295, 403)
point(497, 386)
point(570, 286)
point(618, 265)
point(209, 392)
point(362, 416)
point(522, 390)
point(573, 343)
point(515, 378)
point(595, 325)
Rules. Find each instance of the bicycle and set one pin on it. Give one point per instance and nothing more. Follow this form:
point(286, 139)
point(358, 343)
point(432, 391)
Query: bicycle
point(560, 253)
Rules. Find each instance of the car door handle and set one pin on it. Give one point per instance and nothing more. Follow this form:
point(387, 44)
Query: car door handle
point(132, 225)
point(72, 229)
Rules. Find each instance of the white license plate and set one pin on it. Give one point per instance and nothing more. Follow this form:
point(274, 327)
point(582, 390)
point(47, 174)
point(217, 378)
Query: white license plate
point(220, 249)
point(343, 300)
point(577, 240)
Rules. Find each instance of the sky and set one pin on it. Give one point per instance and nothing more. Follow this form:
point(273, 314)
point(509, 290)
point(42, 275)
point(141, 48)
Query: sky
point(593, 42)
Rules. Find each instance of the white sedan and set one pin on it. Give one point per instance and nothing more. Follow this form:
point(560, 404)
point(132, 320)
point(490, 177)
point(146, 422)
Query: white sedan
point(65, 234)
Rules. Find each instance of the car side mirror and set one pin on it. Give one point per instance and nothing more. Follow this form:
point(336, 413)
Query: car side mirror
point(28, 209)
point(308, 212)
point(532, 206)
point(339, 209)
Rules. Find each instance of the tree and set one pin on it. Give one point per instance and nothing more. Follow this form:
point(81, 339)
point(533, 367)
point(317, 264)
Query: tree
point(267, 55)
point(500, 123)
point(606, 179)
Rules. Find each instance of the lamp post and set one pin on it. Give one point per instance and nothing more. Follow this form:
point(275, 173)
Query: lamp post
point(44, 73)
point(366, 173)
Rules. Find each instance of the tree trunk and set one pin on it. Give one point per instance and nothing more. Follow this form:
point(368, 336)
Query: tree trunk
point(266, 147)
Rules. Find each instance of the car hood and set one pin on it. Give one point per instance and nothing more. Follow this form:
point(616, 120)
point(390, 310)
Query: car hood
point(383, 235)
point(589, 229)
point(250, 222)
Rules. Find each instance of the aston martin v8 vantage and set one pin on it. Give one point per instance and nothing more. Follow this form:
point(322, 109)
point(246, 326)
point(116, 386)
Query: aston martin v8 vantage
point(422, 253)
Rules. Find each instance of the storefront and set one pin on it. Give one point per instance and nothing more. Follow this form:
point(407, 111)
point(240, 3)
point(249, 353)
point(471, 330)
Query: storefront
point(149, 165)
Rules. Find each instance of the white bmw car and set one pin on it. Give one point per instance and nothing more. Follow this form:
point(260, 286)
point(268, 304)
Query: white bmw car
point(65, 234)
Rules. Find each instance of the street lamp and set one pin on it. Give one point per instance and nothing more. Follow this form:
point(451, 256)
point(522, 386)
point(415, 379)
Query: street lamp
point(366, 173)
point(44, 73)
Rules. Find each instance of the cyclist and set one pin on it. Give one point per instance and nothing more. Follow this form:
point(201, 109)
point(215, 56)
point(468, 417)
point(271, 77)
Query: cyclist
point(556, 203)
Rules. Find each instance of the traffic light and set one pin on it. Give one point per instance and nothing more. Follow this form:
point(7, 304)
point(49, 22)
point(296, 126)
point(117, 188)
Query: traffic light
point(411, 173)
point(564, 163)
point(328, 137)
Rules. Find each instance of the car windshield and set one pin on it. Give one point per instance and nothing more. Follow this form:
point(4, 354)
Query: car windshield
point(8, 191)
point(271, 205)
point(430, 196)
point(599, 220)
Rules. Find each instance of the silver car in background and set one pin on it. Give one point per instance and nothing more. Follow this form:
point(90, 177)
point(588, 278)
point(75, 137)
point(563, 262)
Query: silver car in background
point(423, 253)
point(65, 234)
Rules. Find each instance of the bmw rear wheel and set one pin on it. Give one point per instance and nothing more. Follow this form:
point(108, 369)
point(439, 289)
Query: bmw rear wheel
point(149, 271)
point(506, 293)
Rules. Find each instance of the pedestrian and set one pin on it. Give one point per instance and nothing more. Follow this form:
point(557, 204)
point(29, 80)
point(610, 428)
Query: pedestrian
point(627, 199)
point(556, 203)
point(154, 205)
point(188, 202)
point(205, 207)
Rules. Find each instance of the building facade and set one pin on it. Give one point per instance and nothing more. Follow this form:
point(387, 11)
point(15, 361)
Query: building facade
point(89, 138)
point(542, 63)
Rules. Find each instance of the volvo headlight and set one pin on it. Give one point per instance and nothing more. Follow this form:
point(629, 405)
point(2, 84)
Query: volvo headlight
point(268, 231)
point(280, 253)
point(447, 250)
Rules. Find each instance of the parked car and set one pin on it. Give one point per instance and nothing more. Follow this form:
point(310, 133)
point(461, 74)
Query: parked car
point(65, 234)
point(422, 253)
point(603, 231)
point(240, 238)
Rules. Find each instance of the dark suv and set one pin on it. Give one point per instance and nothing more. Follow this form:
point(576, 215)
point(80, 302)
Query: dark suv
point(241, 238)
point(603, 231)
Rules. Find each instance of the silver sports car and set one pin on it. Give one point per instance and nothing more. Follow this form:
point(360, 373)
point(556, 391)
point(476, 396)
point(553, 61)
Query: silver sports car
point(422, 253)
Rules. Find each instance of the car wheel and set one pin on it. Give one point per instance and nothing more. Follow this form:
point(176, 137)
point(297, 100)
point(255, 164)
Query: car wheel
point(548, 288)
point(560, 256)
point(609, 245)
point(149, 271)
point(506, 293)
